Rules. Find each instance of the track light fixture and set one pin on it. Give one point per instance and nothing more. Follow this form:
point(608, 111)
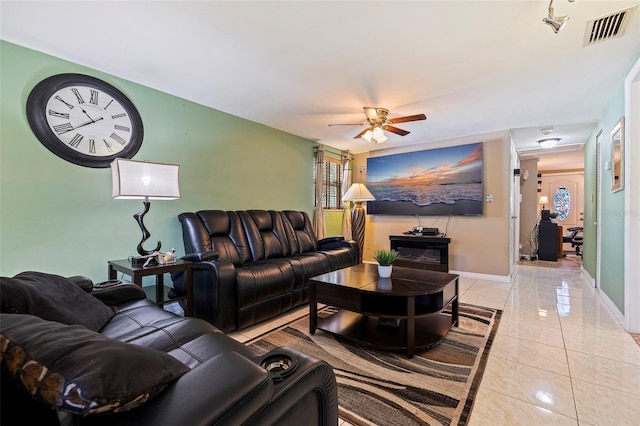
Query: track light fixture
point(556, 23)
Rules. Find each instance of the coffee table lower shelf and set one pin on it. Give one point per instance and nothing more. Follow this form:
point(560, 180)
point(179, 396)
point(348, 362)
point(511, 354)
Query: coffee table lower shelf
point(367, 330)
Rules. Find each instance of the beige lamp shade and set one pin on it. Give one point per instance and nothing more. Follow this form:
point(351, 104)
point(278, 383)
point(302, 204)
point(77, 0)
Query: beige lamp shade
point(134, 180)
point(543, 200)
point(358, 192)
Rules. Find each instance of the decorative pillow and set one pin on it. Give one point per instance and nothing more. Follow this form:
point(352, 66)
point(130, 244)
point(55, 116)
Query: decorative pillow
point(53, 298)
point(80, 371)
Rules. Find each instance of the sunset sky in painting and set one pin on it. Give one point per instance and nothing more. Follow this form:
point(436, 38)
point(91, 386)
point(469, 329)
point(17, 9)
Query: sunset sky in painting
point(459, 164)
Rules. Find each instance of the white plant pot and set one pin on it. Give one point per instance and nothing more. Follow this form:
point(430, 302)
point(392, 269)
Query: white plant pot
point(385, 271)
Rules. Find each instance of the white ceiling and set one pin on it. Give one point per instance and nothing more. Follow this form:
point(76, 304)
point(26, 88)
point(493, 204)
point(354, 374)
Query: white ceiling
point(472, 67)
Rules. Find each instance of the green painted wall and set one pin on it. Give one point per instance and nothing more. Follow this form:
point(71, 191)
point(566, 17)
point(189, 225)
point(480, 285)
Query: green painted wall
point(612, 260)
point(60, 218)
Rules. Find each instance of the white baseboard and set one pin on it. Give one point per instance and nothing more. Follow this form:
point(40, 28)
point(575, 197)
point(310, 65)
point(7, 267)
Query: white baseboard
point(488, 277)
point(605, 299)
point(588, 277)
point(612, 307)
point(500, 278)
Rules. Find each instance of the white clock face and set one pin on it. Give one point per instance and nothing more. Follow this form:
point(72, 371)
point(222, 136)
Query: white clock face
point(88, 121)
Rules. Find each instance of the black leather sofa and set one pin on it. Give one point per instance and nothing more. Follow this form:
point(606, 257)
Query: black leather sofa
point(112, 357)
point(254, 265)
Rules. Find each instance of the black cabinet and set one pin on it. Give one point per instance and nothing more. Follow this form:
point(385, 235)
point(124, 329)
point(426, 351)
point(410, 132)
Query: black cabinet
point(548, 241)
point(421, 252)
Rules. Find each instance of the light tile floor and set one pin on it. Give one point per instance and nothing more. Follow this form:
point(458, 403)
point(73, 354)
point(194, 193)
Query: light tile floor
point(559, 357)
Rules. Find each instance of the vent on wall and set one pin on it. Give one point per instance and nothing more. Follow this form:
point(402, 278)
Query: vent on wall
point(607, 27)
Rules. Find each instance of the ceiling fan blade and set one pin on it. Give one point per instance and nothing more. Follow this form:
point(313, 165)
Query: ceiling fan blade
point(395, 130)
point(416, 117)
point(362, 133)
point(347, 124)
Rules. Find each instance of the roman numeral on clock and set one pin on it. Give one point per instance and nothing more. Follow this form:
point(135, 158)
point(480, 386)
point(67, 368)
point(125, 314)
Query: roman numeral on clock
point(108, 145)
point(94, 97)
point(58, 114)
point(58, 98)
point(118, 139)
point(123, 128)
point(76, 140)
point(78, 95)
point(63, 128)
point(118, 115)
point(92, 146)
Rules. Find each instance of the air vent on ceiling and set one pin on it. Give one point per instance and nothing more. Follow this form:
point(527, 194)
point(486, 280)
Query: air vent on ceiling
point(607, 27)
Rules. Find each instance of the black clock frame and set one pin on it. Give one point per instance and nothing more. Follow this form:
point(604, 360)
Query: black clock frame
point(37, 118)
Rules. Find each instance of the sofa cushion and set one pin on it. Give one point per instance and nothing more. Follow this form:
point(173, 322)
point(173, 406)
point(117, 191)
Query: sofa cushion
point(53, 298)
point(80, 371)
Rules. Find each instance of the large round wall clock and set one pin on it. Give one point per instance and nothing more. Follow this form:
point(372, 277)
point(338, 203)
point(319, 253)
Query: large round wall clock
point(84, 120)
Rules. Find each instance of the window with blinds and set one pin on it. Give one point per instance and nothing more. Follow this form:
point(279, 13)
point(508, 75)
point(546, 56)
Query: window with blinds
point(332, 188)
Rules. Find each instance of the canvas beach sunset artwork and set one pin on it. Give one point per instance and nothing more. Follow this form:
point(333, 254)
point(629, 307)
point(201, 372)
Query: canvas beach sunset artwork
point(434, 182)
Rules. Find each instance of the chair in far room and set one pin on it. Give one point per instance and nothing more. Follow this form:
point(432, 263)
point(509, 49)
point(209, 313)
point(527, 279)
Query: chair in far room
point(575, 238)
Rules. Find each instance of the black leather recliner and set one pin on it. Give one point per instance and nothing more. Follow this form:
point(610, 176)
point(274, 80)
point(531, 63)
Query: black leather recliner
point(225, 381)
point(253, 265)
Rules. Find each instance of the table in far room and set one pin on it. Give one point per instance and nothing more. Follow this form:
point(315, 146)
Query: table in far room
point(160, 295)
point(369, 306)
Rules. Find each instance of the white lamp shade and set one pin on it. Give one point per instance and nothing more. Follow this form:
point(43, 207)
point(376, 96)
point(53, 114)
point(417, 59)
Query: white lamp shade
point(133, 180)
point(358, 192)
point(543, 200)
point(382, 139)
point(367, 135)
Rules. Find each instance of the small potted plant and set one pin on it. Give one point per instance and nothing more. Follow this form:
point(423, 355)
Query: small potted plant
point(553, 216)
point(385, 258)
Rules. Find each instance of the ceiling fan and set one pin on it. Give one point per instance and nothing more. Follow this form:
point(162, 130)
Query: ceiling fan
point(378, 122)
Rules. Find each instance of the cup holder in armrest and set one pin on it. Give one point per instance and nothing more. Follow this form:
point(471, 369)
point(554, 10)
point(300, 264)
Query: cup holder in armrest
point(279, 364)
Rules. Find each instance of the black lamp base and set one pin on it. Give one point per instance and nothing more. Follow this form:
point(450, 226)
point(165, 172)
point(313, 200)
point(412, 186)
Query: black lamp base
point(141, 260)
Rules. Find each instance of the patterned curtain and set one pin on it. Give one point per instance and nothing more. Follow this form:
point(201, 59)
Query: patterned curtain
point(318, 212)
point(347, 162)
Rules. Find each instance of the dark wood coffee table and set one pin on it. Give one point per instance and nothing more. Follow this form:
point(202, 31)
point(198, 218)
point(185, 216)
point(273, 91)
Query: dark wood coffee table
point(368, 306)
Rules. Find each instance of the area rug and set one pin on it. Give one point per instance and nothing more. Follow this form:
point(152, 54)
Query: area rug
point(568, 264)
point(436, 387)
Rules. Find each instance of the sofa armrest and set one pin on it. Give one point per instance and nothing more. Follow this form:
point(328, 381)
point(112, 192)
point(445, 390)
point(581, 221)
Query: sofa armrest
point(119, 294)
point(201, 257)
point(225, 389)
point(214, 292)
point(330, 240)
point(335, 242)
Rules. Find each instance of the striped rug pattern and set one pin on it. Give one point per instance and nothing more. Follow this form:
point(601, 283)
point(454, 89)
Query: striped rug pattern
point(436, 387)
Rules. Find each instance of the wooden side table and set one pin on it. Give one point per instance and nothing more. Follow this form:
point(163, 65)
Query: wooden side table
point(161, 291)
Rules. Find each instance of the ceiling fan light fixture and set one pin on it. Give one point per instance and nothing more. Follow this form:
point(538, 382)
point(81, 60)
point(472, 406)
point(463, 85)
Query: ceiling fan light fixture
point(381, 140)
point(367, 135)
point(378, 133)
point(549, 142)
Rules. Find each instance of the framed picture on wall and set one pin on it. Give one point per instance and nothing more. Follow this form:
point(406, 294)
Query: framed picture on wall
point(617, 156)
point(434, 182)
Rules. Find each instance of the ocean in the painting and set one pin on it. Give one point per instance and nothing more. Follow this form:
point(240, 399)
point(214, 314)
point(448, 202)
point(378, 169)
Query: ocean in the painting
point(443, 199)
point(425, 195)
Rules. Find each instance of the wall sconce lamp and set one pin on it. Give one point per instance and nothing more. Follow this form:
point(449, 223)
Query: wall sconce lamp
point(358, 193)
point(141, 180)
point(556, 23)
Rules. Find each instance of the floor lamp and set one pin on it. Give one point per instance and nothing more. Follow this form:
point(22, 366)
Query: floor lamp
point(358, 193)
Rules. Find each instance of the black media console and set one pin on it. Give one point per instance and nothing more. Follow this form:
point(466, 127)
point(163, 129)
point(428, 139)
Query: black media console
point(421, 252)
